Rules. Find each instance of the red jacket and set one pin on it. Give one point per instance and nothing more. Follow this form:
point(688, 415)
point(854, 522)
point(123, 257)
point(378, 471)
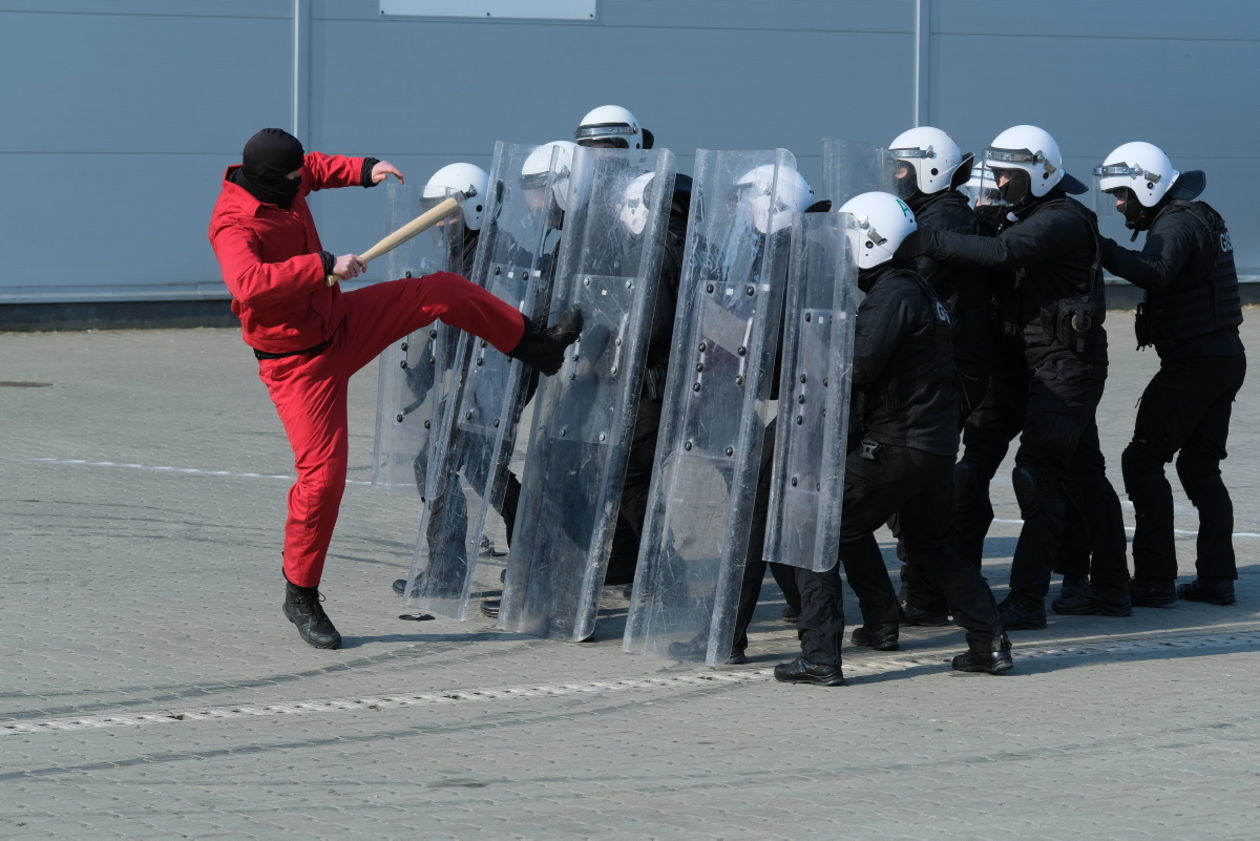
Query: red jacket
point(272, 260)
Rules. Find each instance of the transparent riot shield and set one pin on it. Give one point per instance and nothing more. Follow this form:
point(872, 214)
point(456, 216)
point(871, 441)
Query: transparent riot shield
point(515, 259)
point(584, 416)
point(414, 373)
point(852, 167)
point(696, 532)
point(807, 480)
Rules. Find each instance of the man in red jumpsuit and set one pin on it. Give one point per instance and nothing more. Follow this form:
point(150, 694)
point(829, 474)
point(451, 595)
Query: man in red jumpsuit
point(309, 336)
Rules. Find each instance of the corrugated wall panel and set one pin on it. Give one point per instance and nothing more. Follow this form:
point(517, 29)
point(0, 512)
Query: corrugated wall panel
point(127, 111)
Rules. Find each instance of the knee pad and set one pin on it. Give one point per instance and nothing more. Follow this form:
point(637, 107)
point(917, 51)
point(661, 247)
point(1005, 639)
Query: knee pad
point(1138, 465)
point(1030, 489)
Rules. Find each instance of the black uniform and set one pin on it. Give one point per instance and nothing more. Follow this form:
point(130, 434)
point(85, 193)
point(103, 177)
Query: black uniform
point(967, 293)
point(1057, 311)
point(904, 435)
point(1191, 315)
point(624, 553)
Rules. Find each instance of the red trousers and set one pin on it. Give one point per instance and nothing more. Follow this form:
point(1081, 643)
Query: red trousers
point(310, 393)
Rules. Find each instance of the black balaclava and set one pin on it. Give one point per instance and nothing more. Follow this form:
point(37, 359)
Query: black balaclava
point(269, 156)
point(1017, 192)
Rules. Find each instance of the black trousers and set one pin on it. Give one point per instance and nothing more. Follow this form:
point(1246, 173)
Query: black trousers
point(1059, 451)
point(1185, 411)
point(917, 486)
point(624, 555)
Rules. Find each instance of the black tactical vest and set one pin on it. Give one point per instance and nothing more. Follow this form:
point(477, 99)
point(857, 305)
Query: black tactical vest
point(1203, 298)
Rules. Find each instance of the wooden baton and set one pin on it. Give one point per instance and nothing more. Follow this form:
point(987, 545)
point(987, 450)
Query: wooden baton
point(446, 207)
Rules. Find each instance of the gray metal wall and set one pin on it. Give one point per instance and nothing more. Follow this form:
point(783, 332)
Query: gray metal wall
point(117, 117)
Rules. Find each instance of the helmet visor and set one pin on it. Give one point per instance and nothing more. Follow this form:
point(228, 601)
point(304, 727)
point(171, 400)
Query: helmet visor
point(1020, 158)
point(616, 135)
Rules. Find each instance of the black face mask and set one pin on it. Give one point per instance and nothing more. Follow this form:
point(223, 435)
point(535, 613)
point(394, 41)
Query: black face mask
point(1016, 192)
point(269, 156)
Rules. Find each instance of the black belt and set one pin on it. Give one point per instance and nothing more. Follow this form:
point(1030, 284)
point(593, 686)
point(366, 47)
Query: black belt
point(310, 351)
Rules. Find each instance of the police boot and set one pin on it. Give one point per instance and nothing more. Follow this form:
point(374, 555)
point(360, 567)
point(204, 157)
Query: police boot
point(1073, 586)
point(1094, 602)
point(911, 615)
point(1022, 613)
point(985, 653)
point(542, 347)
point(1144, 592)
point(801, 670)
point(302, 607)
point(1211, 590)
point(698, 646)
point(400, 586)
point(881, 637)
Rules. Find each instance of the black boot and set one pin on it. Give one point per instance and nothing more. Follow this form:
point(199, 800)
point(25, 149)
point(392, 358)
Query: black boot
point(881, 637)
point(697, 647)
point(1211, 590)
point(986, 653)
point(801, 670)
point(542, 347)
point(791, 614)
point(911, 615)
point(1022, 613)
point(1143, 592)
point(302, 607)
point(1094, 602)
point(490, 608)
point(400, 586)
point(1073, 586)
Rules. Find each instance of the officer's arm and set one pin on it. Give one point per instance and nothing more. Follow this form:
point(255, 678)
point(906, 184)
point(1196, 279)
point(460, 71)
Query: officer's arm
point(1036, 240)
point(1166, 253)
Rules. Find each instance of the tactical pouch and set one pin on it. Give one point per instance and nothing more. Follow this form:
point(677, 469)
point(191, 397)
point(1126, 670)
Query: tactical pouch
point(1070, 321)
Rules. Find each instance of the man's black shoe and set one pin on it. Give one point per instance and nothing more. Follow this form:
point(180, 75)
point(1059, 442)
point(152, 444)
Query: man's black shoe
point(791, 614)
point(1073, 586)
point(737, 657)
point(542, 347)
point(490, 607)
point(881, 637)
point(1093, 602)
point(400, 586)
point(911, 615)
point(1146, 593)
point(992, 656)
point(1211, 590)
point(697, 647)
point(302, 607)
point(1022, 613)
point(801, 670)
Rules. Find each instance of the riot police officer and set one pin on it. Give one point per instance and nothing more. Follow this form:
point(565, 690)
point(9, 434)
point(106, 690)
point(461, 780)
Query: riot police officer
point(1191, 314)
point(903, 438)
point(928, 169)
point(1054, 249)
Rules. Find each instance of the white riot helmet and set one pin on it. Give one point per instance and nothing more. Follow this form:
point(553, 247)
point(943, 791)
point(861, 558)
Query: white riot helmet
point(634, 207)
point(1031, 150)
point(772, 203)
point(981, 188)
point(881, 223)
point(612, 125)
point(932, 156)
point(468, 179)
point(1142, 168)
point(538, 168)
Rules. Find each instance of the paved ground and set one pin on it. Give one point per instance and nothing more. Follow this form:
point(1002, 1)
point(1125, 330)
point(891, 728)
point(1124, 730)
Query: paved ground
point(150, 688)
